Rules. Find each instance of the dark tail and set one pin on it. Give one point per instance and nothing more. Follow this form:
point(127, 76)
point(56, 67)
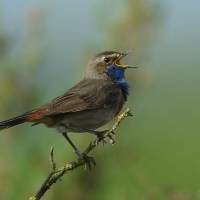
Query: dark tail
point(12, 122)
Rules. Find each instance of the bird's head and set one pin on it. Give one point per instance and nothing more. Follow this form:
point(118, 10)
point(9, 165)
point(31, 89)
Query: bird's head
point(107, 65)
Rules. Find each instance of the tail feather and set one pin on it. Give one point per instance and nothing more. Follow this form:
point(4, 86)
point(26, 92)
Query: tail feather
point(32, 116)
point(12, 122)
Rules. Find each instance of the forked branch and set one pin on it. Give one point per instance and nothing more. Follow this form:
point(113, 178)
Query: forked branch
point(56, 174)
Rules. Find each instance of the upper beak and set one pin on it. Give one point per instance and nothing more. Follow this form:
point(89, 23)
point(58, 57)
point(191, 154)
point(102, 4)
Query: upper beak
point(118, 64)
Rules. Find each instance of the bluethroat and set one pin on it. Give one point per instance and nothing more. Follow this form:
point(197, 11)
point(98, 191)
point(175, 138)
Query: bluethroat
point(90, 104)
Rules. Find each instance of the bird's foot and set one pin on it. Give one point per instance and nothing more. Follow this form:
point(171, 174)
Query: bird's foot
point(111, 139)
point(89, 161)
point(102, 135)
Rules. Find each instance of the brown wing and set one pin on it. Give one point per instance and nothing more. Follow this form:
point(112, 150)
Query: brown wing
point(86, 95)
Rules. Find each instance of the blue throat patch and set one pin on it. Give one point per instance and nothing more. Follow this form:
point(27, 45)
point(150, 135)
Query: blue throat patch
point(117, 75)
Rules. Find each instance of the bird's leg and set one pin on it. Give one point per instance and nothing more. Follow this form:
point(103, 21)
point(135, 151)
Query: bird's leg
point(89, 161)
point(101, 135)
point(72, 144)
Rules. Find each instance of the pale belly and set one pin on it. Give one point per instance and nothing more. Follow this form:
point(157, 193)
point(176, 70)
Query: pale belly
point(85, 120)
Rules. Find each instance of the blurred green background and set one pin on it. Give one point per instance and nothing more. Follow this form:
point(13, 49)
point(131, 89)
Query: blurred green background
point(44, 46)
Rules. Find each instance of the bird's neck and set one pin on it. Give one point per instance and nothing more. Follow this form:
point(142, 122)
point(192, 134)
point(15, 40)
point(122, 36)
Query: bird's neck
point(117, 75)
point(112, 72)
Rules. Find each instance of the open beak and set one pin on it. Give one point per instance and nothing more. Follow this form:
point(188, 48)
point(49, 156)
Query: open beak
point(118, 63)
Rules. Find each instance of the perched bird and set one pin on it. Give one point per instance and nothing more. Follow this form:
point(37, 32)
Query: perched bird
point(90, 104)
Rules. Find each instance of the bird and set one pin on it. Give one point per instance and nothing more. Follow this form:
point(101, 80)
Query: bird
point(87, 106)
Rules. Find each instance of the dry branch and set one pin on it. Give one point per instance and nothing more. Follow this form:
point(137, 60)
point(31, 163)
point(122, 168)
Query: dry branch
point(56, 174)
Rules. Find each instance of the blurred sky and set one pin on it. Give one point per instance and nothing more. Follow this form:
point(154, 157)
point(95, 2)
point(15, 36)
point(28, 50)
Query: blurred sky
point(70, 25)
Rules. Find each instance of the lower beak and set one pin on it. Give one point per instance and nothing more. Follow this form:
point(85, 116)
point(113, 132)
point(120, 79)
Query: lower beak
point(118, 64)
point(131, 66)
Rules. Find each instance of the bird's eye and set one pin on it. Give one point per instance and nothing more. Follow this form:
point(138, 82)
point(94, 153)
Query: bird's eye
point(106, 60)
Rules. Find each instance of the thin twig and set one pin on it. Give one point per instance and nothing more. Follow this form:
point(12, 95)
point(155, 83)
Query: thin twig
point(52, 159)
point(56, 174)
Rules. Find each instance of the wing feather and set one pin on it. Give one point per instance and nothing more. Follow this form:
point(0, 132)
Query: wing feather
point(86, 95)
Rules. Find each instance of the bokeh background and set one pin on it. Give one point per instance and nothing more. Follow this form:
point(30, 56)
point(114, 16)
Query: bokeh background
point(44, 46)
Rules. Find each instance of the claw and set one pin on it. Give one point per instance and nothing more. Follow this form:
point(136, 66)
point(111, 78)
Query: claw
point(101, 138)
point(112, 141)
point(130, 114)
point(113, 132)
point(89, 161)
